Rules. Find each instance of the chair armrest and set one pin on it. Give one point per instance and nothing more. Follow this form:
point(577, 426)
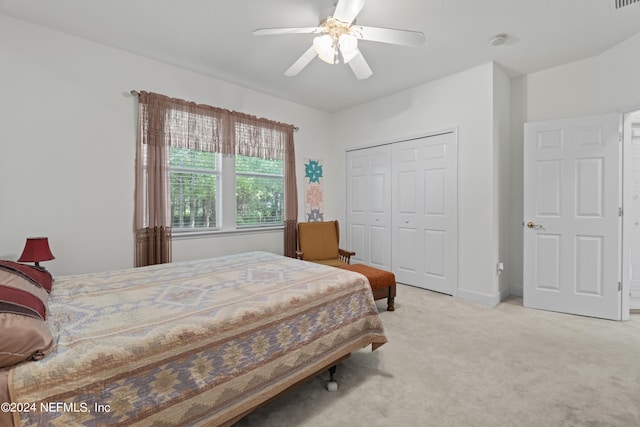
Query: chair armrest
point(346, 255)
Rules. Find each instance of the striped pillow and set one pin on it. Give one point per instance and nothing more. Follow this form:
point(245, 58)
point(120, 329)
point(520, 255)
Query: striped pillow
point(24, 292)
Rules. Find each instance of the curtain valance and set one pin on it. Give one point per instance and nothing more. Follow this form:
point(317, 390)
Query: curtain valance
point(185, 124)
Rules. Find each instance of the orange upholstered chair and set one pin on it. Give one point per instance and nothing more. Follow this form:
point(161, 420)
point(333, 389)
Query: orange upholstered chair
point(318, 242)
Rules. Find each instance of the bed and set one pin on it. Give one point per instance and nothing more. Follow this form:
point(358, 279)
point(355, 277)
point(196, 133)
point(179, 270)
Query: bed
point(190, 343)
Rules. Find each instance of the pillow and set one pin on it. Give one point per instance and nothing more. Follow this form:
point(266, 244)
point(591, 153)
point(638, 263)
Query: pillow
point(36, 275)
point(24, 334)
point(23, 338)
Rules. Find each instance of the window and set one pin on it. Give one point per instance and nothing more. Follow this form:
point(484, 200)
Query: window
point(202, 168)
point(199, 179)
point(259, 191)
point(194, 178)
point(188, 177)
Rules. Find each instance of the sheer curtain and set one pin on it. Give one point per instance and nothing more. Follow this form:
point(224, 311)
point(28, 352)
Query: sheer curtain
point(164, 122)
point(267, 139)
point(152, 214)
point(291, 199)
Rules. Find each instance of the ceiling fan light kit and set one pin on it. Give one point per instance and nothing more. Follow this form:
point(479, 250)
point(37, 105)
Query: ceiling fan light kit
point(339, 36)
point(325, 48)
point(348, 44)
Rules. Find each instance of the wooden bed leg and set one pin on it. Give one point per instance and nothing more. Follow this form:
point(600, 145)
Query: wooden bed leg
point(332, 384)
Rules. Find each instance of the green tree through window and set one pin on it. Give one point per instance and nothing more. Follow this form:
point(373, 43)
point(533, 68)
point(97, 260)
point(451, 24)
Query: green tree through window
point(194, 185)
point(197, 180)
point(259, 191)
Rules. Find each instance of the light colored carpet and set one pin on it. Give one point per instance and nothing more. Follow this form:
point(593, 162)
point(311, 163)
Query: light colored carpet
point(453, 363)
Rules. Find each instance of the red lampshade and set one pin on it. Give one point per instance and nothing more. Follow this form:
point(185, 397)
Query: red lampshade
point(35, 250)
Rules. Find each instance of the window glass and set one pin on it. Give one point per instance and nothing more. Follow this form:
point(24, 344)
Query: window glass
point(257, 165)
point(194, 186)
point(259, 191)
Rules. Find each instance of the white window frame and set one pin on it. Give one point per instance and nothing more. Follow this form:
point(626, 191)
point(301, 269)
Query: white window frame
point(225, 202)
point(217, 172)
point(258, 175)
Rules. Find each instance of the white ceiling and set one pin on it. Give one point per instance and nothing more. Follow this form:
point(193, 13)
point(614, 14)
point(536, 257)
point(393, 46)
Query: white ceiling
point(214, 37)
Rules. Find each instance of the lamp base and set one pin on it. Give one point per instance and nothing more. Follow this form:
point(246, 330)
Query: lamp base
point(39, 267)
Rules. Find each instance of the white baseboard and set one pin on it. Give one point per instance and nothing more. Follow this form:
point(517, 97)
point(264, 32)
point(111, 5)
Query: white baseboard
point(516, 291)
point(484, 299)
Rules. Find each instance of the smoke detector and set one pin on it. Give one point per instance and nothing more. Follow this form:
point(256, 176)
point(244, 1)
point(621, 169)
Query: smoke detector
point(499, 39)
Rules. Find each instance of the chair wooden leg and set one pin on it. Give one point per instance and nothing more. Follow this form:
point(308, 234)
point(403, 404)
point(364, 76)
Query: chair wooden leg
point(390, 304)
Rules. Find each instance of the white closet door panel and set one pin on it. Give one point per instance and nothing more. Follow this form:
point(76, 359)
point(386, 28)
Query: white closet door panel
point(357, 223)
point(435, 192)
point(425, 212)
point(405, 155)
point(357, 188)
point(379, 208)
point(379, 247)
point(357, 241)
point(379, 159)
point(378, 193)
point(407, 192)
point(434, 260)
point(404, 218)
point(368, 212)
point(358, 195)
point(440, 211)
point(406, 256)
point(357, 163)
point(407, 241)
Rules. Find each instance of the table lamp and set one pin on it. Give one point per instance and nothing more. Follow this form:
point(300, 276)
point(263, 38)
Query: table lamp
point(35, 250)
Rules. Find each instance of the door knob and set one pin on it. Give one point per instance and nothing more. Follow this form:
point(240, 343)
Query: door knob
point(534, 226)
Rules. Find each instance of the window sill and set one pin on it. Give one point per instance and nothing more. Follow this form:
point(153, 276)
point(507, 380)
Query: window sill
point(179, 235)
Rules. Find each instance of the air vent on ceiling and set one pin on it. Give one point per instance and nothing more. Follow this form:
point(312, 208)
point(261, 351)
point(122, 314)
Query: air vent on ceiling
point(622, 3)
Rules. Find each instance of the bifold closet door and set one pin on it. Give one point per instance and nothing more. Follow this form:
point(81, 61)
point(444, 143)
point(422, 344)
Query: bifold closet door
point(368, 225)
point(424, 224)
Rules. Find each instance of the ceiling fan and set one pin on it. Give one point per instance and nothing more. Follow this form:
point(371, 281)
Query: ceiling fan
point(338, 35)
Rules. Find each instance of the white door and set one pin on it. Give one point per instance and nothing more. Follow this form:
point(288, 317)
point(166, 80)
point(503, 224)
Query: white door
point(424, 212)
point(632, 207)
point(368, 225)
point(571, 216)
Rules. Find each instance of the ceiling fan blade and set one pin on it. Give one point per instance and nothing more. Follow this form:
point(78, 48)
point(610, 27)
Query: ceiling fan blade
point(273, 31)
point(302, 62)
point(388, 35)
point(360, 67)
point(347, 10)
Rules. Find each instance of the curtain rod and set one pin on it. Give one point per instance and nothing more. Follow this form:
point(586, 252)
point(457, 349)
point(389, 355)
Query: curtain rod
point(136, 93)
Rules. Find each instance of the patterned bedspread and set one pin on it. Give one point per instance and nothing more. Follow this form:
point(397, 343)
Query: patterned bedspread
point(190, 343)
